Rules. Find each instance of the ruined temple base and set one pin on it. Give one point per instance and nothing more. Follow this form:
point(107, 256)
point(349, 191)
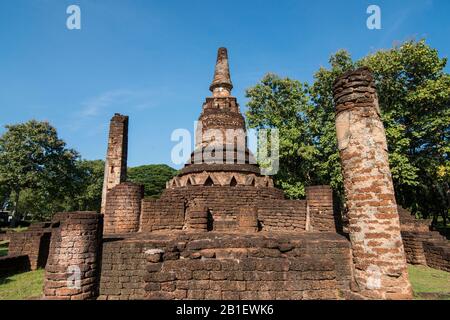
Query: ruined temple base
point(223, 266)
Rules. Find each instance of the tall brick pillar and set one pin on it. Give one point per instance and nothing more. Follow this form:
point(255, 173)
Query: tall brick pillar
point(73, 266)
point(380, 268)
point(116, 157)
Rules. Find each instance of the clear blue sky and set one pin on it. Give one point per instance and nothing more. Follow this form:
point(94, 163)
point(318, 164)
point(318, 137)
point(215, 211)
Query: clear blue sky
point(153, 60)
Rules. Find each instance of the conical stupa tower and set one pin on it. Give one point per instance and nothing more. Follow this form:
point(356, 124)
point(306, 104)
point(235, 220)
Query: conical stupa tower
point(221, 155)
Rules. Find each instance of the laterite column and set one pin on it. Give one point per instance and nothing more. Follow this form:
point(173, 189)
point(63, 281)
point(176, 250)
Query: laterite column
point(380, 268)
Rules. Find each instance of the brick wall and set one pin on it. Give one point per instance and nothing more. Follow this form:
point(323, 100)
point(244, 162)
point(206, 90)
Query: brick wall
point(282, 215)
point(320, 208)
point(423, 246)
point(123, 208)
point(123, 269)
point(4, 236)
point(274, 211)
point(162, 214)
point(75, 250)
point(437, 254)
point(225, 266)
point(34, 243)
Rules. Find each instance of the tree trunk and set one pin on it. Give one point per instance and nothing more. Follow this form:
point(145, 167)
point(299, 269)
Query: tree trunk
point(16, 217)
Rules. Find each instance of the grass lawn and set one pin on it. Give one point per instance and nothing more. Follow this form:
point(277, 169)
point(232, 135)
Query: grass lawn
point(18, 229)
point(429, 284)
point(23, 286)
point(3, 248)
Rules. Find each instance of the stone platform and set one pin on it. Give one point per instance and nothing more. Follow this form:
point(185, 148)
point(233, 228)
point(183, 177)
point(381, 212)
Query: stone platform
point(216, 265)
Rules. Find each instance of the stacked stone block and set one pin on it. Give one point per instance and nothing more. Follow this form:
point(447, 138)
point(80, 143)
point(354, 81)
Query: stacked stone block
point(423, 246)
point(116, 157)
point(248, 220)
point(197, 219)
point(167, 213)
point(224, 203)
point(73, 268)
point(437, 254)
point(380, 267)
point(227, 266)
point(320, 209)
point(123, 208)
point(123, 269)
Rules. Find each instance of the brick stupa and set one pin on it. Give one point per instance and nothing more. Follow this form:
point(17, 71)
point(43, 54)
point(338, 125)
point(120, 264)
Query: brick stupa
point(221, 230)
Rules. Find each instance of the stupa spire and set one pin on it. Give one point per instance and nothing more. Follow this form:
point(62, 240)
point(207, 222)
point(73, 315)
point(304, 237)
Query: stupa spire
point(221, 85)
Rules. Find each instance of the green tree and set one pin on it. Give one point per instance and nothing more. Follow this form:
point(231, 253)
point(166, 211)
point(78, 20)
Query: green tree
point(153, 177)
point(4, 196)
point(85, 194)
point(414, 94)
point(89, 186)
point(284, 104)
point(33, 157)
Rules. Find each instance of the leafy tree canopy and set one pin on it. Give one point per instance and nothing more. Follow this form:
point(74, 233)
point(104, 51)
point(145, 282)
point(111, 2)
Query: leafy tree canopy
point(414, 93)
point(33, 157)
point(153, 177)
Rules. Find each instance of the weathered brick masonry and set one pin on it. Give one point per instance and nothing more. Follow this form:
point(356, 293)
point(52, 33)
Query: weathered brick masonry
point(116, 157)
point(320, 208)
point(75, 253)
point(34, 244)
point(379, 258)
point(123, 207)
point(223, 231)
point(423, 246)
point(226, 266)
point(223, 203)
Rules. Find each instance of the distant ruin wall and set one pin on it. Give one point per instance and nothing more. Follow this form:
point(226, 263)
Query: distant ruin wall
point(223, 266)
point(437, 254)
point(423, 246)
point(34, 243)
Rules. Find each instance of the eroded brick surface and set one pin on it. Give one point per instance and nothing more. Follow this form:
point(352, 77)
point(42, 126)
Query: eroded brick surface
point(226, 266)
point(33, 243)
point(75, 250)
point(423, 246)
point(116, 157)
point(379, 258)
point(123, 208)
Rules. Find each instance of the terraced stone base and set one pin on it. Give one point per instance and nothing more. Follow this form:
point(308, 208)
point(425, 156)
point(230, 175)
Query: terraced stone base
point(222, 266)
